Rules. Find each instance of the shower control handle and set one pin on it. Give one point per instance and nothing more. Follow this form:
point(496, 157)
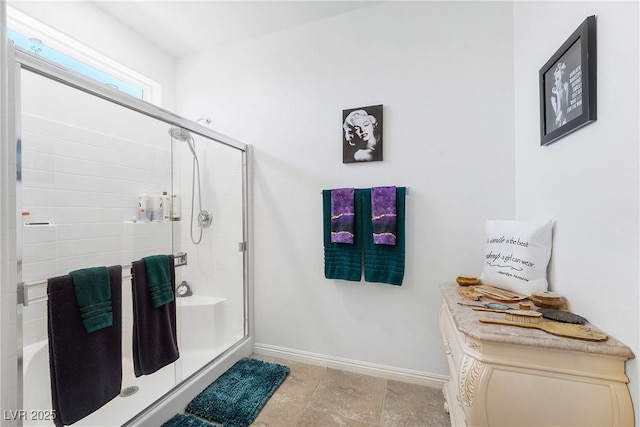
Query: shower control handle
point(204, 218)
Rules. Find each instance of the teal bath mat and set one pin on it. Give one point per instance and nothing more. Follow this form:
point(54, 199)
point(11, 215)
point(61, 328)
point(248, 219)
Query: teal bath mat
point(238, 395)
point(184, 420)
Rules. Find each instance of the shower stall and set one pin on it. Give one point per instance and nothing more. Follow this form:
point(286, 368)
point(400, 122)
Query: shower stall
point(89, 159)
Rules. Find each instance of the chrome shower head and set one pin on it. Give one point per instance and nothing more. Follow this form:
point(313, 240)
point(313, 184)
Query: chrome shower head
point(185, 136)
point(180, 134)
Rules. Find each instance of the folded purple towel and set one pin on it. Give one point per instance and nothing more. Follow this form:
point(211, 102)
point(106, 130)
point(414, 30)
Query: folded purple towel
point(383, 215)
point(342, 215)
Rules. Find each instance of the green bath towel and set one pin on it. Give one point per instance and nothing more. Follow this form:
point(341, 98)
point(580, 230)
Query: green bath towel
point(341, 260)
point(159, 279)
point(384, 263)
point(93, 294)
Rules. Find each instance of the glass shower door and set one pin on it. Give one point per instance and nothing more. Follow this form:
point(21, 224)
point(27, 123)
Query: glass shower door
point(86, 162)
point(211, 309)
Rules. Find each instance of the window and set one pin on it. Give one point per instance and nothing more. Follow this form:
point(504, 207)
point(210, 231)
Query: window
point(47, 43)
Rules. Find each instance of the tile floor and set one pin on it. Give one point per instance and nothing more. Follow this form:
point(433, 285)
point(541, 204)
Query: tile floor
point(315, 396)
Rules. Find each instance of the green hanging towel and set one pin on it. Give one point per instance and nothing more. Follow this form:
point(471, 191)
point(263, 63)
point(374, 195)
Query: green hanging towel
point(341, 260)
point(93, 295)
point(159, 279)
point(383, 263)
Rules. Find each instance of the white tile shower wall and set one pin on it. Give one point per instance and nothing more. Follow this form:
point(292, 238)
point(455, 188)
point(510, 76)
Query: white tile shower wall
point(90, 210)
point(83, 170)
point(86, 185)
point(87, 182)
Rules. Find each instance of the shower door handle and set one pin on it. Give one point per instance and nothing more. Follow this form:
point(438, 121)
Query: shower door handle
point(23, 296)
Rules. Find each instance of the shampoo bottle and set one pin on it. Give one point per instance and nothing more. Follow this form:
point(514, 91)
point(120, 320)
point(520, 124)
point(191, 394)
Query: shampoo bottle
point(166, 207)
point(142, 208)
point(175, 207)
point(157, 208)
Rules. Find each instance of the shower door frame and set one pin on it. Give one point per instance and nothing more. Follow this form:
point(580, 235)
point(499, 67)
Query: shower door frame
point(19, 60)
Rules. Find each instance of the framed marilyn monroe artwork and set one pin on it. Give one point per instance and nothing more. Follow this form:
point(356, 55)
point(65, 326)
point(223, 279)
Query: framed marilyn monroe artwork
point(362, 134)
point(568, 85)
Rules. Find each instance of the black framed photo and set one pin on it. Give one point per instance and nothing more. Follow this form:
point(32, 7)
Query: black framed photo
point(362, 134)
point(568, 85)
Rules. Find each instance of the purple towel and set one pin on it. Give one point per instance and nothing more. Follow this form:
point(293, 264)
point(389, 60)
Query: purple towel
point(85, 368)
point(342, 215)
point(383, 215)
point(155, 342)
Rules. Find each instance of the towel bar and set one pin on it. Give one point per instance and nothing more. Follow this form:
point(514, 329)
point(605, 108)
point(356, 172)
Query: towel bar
point(406, 191)
point(24, 298)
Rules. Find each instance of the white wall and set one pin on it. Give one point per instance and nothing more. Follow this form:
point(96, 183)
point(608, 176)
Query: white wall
point(446, 81)
point(87, 24)
point(587, 181)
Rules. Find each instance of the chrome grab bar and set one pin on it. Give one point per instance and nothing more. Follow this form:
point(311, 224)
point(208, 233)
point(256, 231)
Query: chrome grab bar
point(24, 292)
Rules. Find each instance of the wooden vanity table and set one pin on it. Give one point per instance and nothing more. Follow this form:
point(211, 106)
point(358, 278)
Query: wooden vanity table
point(512, 376)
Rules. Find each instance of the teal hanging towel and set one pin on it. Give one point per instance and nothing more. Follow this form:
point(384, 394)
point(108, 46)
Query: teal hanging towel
point(159, 279)
point(341, 260)
point(93, 294)
point(383, 263)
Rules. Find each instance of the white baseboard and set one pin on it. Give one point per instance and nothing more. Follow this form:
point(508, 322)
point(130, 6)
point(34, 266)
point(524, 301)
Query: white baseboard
point(365, 368)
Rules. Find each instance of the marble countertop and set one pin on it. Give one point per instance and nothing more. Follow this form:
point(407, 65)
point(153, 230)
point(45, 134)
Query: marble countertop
point(466, 320)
